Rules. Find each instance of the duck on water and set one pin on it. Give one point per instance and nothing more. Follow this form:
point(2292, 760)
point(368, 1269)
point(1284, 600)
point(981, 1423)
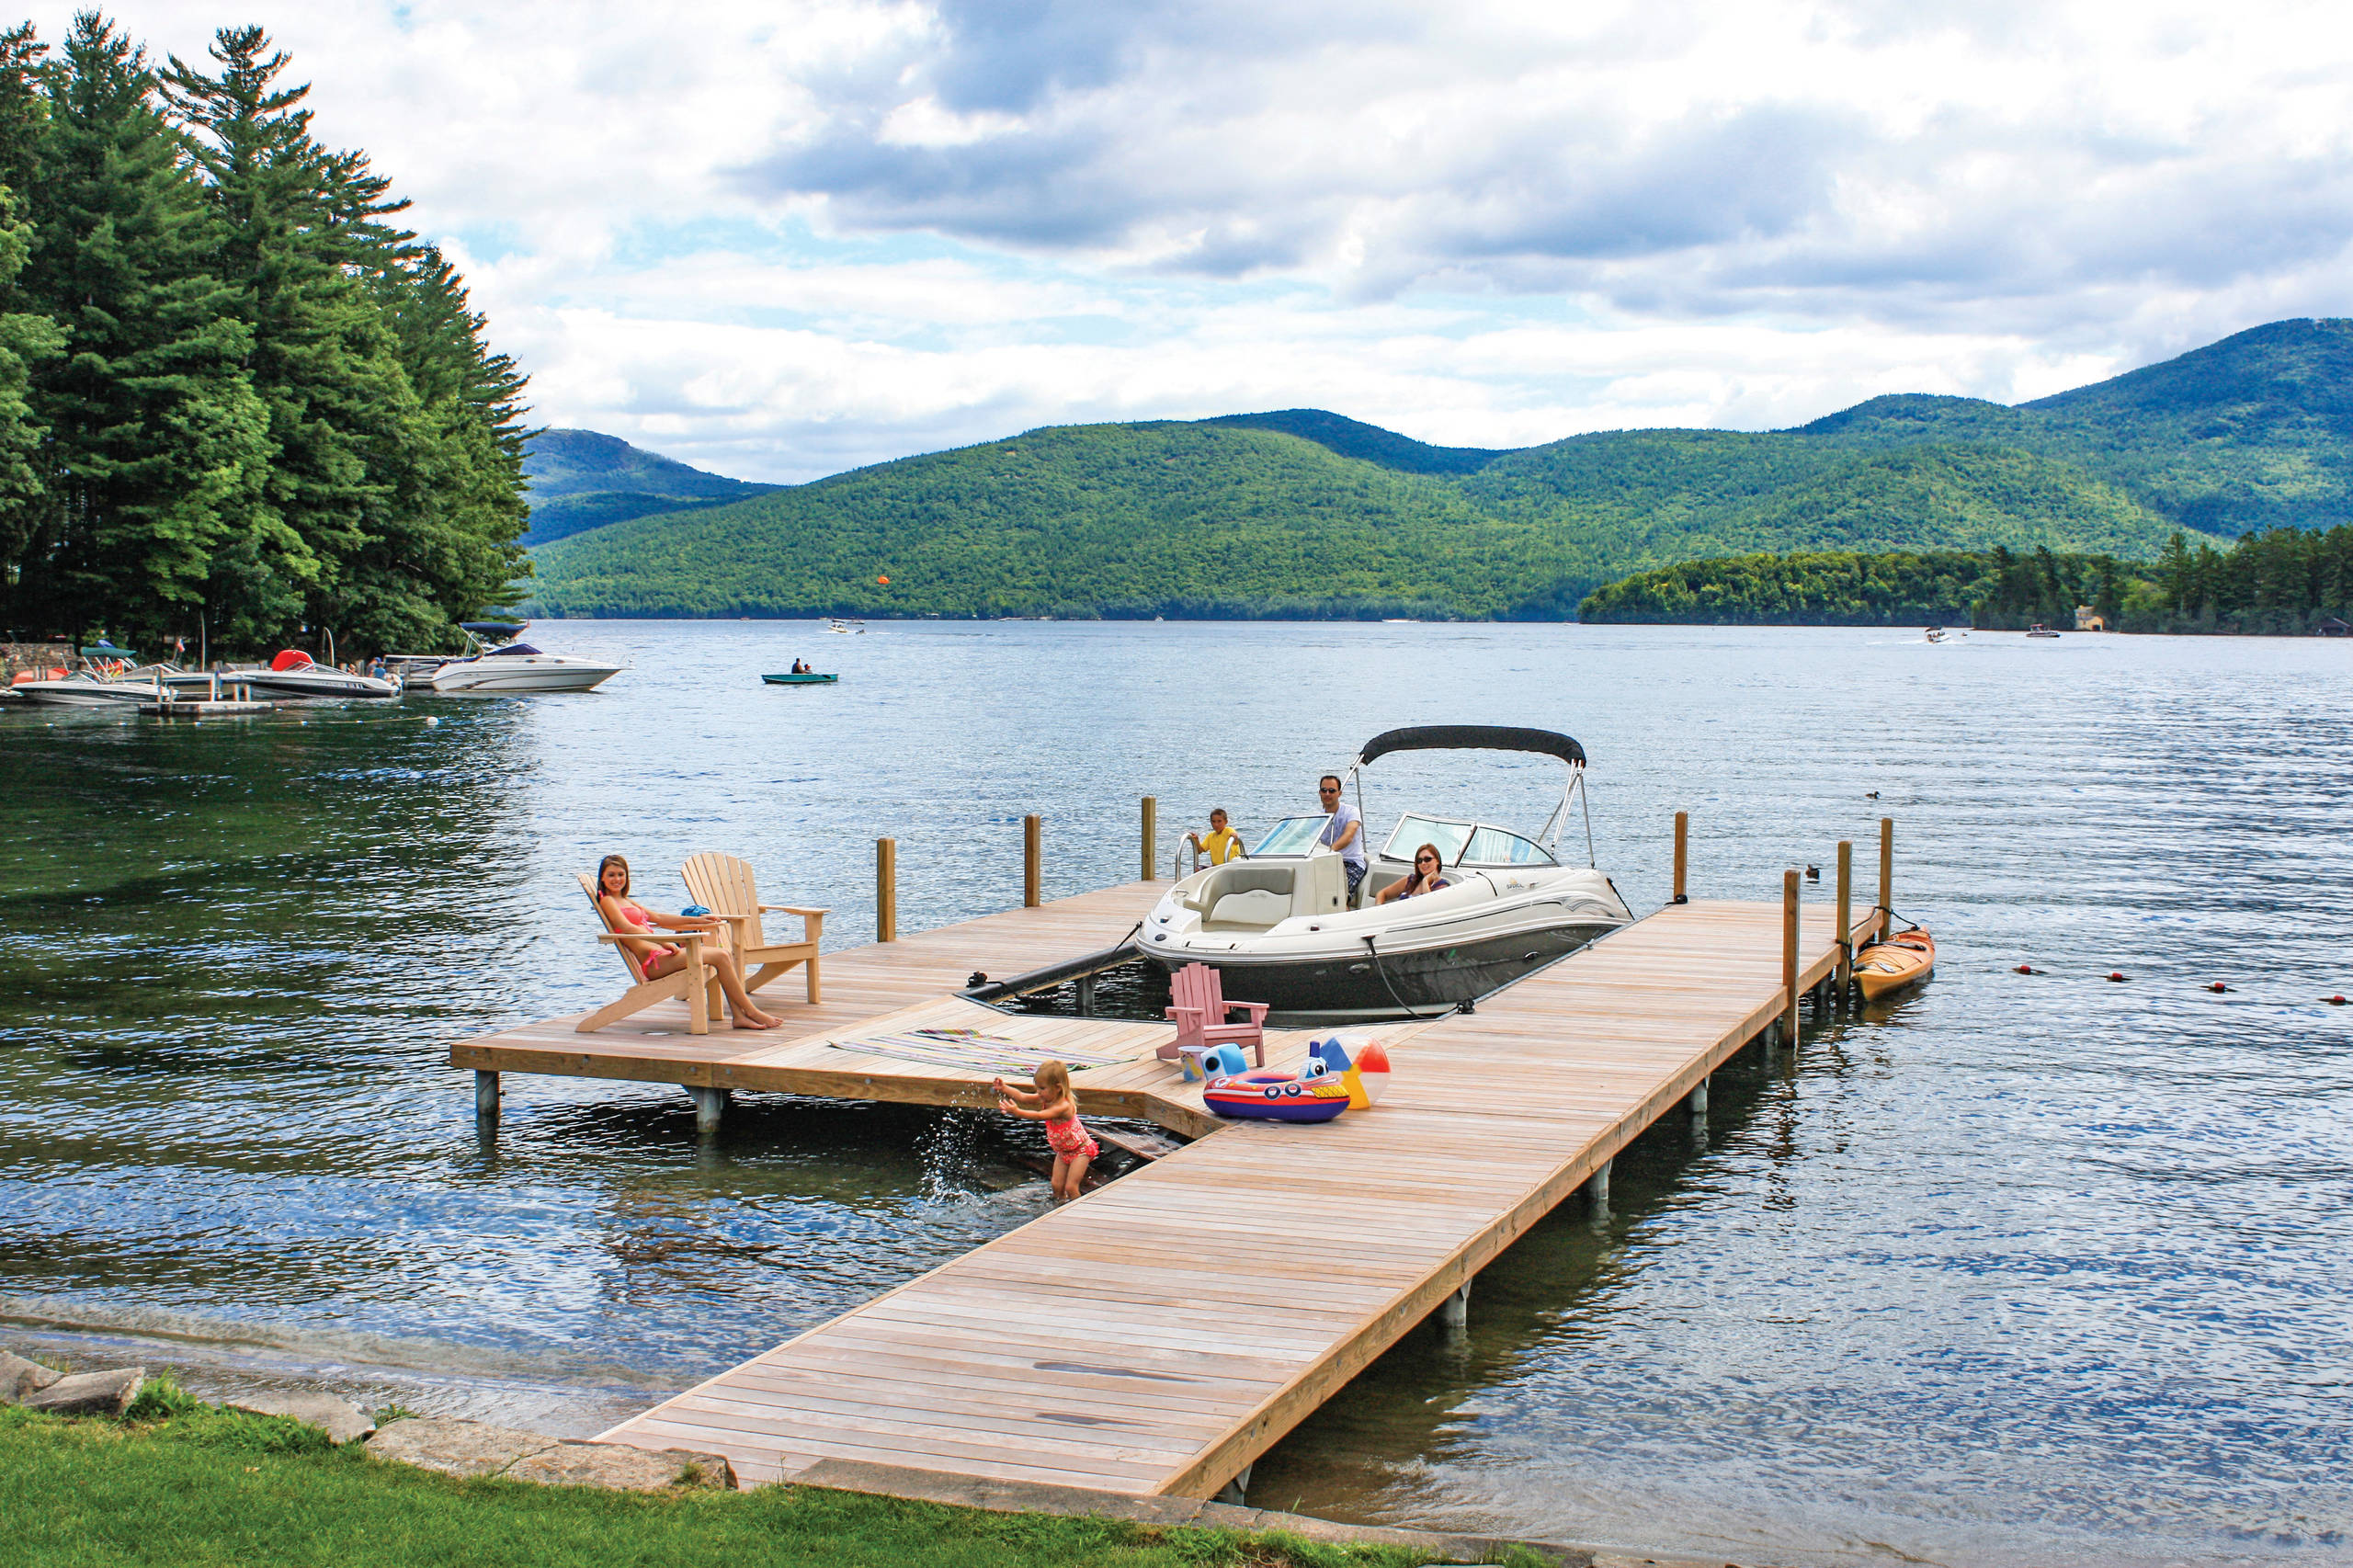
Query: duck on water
point(1281, 927)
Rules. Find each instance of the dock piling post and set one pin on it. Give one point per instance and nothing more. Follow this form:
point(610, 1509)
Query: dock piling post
point(1846, 918)
point(1151, 836)
point(1700, 1100)
point(710, 1105)
point(1886, 875)
point(1233, 1490)
point(1033, 860)
point(486, 1096)
point(1682, 856)
point(1085, 995)
point(886, 890)
point(1597, 1192)
point(1454, 1313)
point(1789, 957)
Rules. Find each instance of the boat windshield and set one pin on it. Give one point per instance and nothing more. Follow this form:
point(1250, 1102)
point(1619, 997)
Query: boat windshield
point(1494, 847)
point(1412, 832)
point(1293, 835)
point(1464, 844)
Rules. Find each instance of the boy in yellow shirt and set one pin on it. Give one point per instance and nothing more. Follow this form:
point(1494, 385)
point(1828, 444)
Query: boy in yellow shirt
point(1220, 843)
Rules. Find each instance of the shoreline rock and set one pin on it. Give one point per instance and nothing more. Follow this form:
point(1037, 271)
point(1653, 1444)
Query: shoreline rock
point(89, 1394)
point(341, 1420)
point(19, 1377)
point(469, 1449)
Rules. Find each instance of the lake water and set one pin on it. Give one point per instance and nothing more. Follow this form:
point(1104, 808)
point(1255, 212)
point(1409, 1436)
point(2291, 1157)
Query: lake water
point(2023, 1270)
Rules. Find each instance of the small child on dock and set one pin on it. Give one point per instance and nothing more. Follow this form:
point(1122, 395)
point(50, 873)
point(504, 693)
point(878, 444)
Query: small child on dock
point(1049, 1100)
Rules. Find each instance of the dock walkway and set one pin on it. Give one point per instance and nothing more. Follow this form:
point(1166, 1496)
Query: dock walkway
point(1160, 1333)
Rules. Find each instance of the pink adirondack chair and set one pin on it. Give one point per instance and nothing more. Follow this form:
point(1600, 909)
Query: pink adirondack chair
point(1201, 1015)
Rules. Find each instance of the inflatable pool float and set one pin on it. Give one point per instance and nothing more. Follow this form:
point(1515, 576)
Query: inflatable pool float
point(1328, 1082)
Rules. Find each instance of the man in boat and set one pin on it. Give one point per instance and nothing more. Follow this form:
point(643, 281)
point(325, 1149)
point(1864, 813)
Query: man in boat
point(1344, 831)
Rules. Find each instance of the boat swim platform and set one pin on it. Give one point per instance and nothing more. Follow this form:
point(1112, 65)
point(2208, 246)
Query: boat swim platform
point(1159, 1334)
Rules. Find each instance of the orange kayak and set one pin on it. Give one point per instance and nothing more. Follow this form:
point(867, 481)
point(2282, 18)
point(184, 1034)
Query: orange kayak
point(1882, 967)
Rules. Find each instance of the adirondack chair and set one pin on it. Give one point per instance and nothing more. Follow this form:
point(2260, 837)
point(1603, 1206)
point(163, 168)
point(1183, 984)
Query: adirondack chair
point(1201, 1013)
point(696, 984)
point(723, 885)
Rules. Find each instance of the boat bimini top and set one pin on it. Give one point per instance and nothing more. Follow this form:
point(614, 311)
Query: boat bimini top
point(1494, 845)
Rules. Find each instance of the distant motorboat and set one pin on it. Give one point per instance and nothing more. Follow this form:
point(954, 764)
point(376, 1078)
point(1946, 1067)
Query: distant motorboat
point(801, 677)
point(127, 689)
point(847, 628)
point(1936, 634)
point(2039, 630)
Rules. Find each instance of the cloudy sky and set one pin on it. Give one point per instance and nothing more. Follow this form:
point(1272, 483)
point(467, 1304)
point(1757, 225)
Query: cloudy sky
point(781, 239)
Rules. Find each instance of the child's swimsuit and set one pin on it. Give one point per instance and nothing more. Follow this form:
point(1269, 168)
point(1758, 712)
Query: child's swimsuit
point(1070, 1141)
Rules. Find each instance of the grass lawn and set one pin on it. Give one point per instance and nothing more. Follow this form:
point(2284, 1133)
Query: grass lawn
point(187, 1486)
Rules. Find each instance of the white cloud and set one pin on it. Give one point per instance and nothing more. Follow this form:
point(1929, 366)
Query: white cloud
point(779, 240)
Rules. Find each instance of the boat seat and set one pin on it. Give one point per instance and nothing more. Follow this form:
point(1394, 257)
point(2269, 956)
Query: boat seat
point(1257, 907)
point(1239, 877)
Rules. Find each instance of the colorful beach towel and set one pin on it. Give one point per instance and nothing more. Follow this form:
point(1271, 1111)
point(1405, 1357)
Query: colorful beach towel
point(970, 1051)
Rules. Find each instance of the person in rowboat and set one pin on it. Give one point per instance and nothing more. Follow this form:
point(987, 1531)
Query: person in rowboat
point(657, 959)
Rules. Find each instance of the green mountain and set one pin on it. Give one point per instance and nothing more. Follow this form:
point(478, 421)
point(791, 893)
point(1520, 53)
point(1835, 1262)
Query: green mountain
point(1305, 513)
point(580, 480)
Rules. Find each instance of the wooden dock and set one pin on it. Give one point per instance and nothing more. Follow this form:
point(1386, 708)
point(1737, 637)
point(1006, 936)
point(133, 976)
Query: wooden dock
point(1157, 1336)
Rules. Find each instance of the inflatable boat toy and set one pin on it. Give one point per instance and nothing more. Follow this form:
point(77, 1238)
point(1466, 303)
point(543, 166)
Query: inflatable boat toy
point(1326, 1083)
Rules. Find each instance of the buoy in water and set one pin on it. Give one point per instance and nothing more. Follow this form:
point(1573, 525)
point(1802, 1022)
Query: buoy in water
point(431, 721)
point(2333, 1001)
point(2218, 985)
point(2115, 975)
point(2027, 969)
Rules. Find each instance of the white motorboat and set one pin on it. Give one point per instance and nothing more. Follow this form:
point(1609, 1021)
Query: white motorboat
point(1277, 925)
point(519, 667)
point(295, 673)
point(81, 688)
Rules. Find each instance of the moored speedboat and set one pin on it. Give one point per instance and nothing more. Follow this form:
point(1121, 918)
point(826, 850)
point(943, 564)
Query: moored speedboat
point(1277, 927)
point(295, 673)
point(519, 667)
point(125, 689)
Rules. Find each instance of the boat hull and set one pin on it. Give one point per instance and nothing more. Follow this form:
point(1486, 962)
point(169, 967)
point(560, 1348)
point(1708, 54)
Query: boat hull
point(1344, 986)
point(312, 684)
point(469, 677)
point(1884, 967)
point(800, 679)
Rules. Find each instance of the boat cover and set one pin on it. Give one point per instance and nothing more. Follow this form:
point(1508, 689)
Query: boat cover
point(290, 659)
point(1472, 737)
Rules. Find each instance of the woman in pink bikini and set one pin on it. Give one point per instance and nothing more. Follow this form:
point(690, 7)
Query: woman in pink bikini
point(656, 959)
point(1052, 1103)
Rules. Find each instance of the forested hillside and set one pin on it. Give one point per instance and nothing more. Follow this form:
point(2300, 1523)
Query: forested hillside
point(236, 398)
point(581, 480)
point(1302, 512)
point(2282, 581)
point(1224, 518)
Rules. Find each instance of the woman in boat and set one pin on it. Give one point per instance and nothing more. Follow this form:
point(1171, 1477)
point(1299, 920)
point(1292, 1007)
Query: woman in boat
point(1428, 876)
point(657, 959)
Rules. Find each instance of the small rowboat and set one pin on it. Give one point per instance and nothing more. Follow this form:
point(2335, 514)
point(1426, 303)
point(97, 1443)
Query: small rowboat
point(1902, 960)
point(809, 677)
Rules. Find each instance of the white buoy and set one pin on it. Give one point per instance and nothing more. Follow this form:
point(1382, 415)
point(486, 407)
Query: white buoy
point(430, 722)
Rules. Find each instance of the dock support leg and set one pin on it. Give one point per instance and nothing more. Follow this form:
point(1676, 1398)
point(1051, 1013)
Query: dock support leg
point(1597, 1192)
point(486, 1096)
point(1700, 1100)
point(1232, 1491)
point(1086, 996)
point(1454, 1313)
point(710, 1105)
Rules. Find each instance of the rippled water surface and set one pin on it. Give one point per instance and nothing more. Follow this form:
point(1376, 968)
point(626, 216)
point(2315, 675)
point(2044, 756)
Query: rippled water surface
point(2024, 1268)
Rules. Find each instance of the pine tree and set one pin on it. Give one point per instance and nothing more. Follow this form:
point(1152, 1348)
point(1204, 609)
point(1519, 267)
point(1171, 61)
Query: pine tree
point(157, 455)
point(397, 459)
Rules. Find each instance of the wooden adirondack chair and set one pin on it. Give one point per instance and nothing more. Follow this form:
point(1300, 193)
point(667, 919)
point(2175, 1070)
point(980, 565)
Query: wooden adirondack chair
point(723, 885)
point(696, 984)
point(1201, 1012)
